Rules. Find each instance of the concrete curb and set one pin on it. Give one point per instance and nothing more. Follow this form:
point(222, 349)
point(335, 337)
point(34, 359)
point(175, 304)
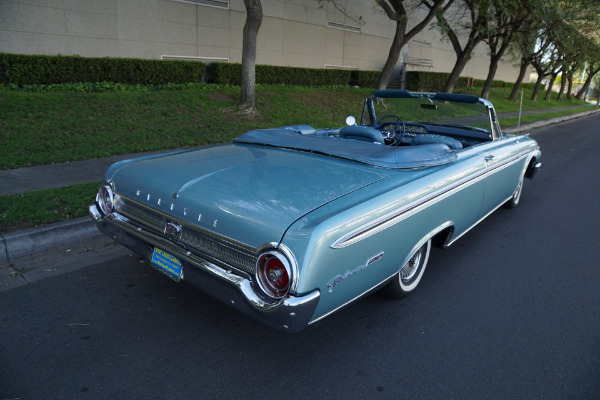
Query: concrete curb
point(539, 124)
point(34, 240)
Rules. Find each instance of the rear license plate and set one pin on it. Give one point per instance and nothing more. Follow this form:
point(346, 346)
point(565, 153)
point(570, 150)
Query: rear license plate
point(168, 264)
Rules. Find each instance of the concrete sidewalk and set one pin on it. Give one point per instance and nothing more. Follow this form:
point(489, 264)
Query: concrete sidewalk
point(23, 243)
point(22, 180)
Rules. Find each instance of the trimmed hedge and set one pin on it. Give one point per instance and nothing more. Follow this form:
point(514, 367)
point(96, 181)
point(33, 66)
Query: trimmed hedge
point(101, 87)
point(31, 70)
point(229, 73)
point(495, 84)
point(365, 79)
point(528, 85)
point(422, 81)
point(27, 70)
point(23, 70)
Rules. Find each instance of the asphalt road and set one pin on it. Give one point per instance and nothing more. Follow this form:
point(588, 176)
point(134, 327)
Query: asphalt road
point(510, 311)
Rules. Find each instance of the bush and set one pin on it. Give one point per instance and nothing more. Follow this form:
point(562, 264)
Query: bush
point(27, 70)
point(99, 87)
point(34, 70)
point(366, 79)
point(462, 82)
point(528, 85)
point(421, 81)
point(225, 73)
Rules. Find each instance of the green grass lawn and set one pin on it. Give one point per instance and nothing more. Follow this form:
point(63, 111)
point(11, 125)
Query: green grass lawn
point(526, 119)
point(45, 128)
point(26, 210)
point(499, 97)
point(54, 127)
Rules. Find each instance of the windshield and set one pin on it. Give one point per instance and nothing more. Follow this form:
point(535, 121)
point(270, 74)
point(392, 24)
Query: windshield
point(428, 112)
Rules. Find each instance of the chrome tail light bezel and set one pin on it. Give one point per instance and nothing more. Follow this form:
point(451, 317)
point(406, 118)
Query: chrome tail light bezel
point(106, 199)
point(287, 264)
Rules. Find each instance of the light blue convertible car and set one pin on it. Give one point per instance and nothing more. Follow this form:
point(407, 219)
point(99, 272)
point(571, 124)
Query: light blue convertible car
point(290, 224)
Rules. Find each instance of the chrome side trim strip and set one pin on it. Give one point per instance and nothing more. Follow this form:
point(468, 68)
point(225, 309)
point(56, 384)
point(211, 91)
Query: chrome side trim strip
point(392, 218)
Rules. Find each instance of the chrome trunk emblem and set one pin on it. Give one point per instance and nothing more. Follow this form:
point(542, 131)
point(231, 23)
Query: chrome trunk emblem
point(172, 229)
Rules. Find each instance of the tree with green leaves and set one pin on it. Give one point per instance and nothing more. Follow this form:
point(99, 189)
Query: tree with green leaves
point(593, 70)
point(470, 20)
point(574, 38)
point(531, 48)
point(572, 46)
point(546, 64)
point(505, 22)
point(532, 42)
point(399, 12)
point(588, 25)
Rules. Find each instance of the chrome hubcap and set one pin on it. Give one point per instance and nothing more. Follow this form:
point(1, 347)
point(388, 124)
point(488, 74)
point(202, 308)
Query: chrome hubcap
point(410, 269)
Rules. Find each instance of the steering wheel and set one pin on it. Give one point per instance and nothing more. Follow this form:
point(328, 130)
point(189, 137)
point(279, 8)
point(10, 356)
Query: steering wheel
point(397, 135)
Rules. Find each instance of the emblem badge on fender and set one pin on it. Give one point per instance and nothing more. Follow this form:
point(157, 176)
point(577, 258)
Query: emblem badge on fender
point(172, 229)
point(338, 278)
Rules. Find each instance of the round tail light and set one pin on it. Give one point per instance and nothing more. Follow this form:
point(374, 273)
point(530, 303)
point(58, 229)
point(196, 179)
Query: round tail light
point(273, 274)
point(105, 200)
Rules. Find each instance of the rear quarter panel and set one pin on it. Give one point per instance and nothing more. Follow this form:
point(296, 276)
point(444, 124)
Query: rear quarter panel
point(343, 272)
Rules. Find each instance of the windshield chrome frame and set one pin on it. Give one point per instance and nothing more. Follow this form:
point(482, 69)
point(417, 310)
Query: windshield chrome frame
point(369, 108)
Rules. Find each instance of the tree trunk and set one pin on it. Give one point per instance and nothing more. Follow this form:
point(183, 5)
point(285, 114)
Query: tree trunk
point(393, 56)
point(538, 84)
point(563, 84)
point(461, 61)
point(570, 86)
point(588, 81)
point(550, 84)
point(487, 86)
point(517, 85)
point(395, 11)
point(254, 17)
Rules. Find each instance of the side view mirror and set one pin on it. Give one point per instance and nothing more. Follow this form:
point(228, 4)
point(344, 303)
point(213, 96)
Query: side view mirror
point(350, 120)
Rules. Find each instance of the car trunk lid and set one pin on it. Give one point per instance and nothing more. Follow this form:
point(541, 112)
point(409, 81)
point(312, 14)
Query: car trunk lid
point(247, 193)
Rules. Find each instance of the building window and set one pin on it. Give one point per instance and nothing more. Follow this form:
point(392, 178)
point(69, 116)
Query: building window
point(344, 27)
point(330, 66)
point(421, 43)
point(192, 58)
point(208, 3)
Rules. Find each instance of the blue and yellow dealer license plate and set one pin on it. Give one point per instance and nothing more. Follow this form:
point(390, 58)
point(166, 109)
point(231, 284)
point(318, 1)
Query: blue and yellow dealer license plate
point(168, 264)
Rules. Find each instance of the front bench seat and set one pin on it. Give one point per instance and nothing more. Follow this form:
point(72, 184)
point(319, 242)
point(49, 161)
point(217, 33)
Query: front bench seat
point(428, 138)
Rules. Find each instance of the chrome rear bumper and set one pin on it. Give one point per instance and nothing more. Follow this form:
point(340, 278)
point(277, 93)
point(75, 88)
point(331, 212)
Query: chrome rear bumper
point(291, 314)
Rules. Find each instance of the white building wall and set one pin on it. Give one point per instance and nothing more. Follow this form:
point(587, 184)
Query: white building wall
point(293, 33)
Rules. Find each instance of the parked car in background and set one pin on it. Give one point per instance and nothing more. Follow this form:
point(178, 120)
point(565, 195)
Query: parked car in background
point(289, 224)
